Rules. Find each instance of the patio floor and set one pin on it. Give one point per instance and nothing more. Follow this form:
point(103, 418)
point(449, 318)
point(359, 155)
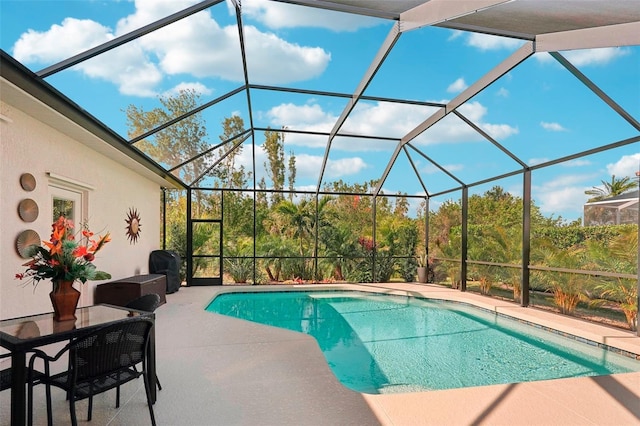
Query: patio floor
point(217, 370)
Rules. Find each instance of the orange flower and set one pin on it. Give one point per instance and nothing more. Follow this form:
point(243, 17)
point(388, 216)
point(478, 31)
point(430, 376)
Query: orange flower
point(80, 251)
point(55, 247)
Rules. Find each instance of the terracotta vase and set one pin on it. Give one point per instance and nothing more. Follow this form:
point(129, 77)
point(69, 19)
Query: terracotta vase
point(64, 299)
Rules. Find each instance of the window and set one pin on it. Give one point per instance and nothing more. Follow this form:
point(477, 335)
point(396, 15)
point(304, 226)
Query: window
point(69, 198)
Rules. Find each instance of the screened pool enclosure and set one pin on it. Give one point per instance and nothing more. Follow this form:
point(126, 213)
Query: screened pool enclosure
point(328, 141)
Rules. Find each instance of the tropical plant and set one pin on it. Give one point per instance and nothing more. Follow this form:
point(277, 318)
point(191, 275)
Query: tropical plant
point(619, 256)
point(299, 220)
point(239, 268)
point(338, 246)
point(360, 268)
point(567, 287)
point(617, 186)
point(451, 249)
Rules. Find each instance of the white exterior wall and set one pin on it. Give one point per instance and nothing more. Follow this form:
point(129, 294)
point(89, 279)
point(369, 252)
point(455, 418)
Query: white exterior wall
point(27, 145)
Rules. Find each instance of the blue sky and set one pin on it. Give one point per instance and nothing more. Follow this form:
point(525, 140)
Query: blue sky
point(538, 111)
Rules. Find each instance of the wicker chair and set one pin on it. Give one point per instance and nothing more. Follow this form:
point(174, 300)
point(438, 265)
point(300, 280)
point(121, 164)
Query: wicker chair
point(99, 361)
point(6, 376)
point(148, 303)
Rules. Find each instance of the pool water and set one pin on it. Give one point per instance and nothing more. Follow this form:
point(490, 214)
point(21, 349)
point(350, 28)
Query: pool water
point(391, 344)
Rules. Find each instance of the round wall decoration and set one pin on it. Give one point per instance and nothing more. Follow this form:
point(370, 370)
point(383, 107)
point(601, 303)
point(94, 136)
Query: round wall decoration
point(28, 210)
point(27, 182)
point(26, 239)
point(133, 226)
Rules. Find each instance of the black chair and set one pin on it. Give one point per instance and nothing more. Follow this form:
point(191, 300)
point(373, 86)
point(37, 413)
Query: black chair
point(6, 376)
point(99, 361)
point(148, 303)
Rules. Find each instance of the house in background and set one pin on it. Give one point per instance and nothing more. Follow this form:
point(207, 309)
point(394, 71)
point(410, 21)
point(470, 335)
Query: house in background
point(54, 152)
point(619, 210)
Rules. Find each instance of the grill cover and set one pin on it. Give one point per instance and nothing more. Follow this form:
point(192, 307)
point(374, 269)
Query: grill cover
point(166, 262)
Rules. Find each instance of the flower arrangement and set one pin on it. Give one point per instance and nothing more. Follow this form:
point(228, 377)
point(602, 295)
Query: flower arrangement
point(64, 257)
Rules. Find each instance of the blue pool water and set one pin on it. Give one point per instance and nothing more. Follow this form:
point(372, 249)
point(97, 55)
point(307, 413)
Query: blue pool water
point(386, 344)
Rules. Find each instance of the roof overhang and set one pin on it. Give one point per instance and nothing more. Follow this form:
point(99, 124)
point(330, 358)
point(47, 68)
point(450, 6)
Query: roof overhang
point(27, 92)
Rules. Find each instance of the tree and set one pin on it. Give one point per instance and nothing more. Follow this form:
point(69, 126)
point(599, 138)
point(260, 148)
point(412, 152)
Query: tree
point(402, 205)
point(617, 186)
point(292, 174)
point(229, 174)
point(273, 146)
point(300, 217)
point(178, 143)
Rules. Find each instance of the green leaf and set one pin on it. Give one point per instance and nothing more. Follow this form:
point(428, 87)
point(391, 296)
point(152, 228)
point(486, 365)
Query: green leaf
point(101, 275)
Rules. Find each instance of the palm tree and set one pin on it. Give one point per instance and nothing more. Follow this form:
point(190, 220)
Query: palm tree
point(300, 217)
point(567, 288)
point(611, 189)
point(619, 255)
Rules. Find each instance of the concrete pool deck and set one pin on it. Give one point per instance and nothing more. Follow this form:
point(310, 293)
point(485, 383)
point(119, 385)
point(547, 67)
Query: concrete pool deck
point(217, 370)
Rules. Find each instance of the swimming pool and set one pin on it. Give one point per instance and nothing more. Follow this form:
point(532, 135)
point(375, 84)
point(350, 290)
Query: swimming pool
point(390, 344)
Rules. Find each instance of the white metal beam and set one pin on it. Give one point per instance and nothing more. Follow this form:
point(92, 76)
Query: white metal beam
point(590, 38)
point(437, 11)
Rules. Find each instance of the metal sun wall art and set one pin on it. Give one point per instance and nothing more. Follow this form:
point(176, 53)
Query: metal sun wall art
point(133, 226)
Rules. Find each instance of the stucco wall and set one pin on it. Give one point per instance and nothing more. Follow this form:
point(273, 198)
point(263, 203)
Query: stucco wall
point(29, 146)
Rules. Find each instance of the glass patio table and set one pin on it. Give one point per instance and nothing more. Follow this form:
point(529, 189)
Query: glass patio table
point(20, 335)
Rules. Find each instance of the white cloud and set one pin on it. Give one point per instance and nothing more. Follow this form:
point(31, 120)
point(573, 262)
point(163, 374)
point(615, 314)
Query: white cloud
point(476, 112)
point(596, 56)
point(563, 194)
point(628, 165)
point(536, 161)
point(552, 127)
point(587, 57)
point(572, 163)
point(272, 60)
point(195, 87)
point(455, 34)
point(139, 67)
point(344, 167)
point(430, 169)
point(126, 66)
point(281, 15)
point(576, 163)
point(307, 165)
point(46, 48)
point(382, 119)
point(457, 86)
point(502, 92)
point(568, 199)
point(491, 42)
